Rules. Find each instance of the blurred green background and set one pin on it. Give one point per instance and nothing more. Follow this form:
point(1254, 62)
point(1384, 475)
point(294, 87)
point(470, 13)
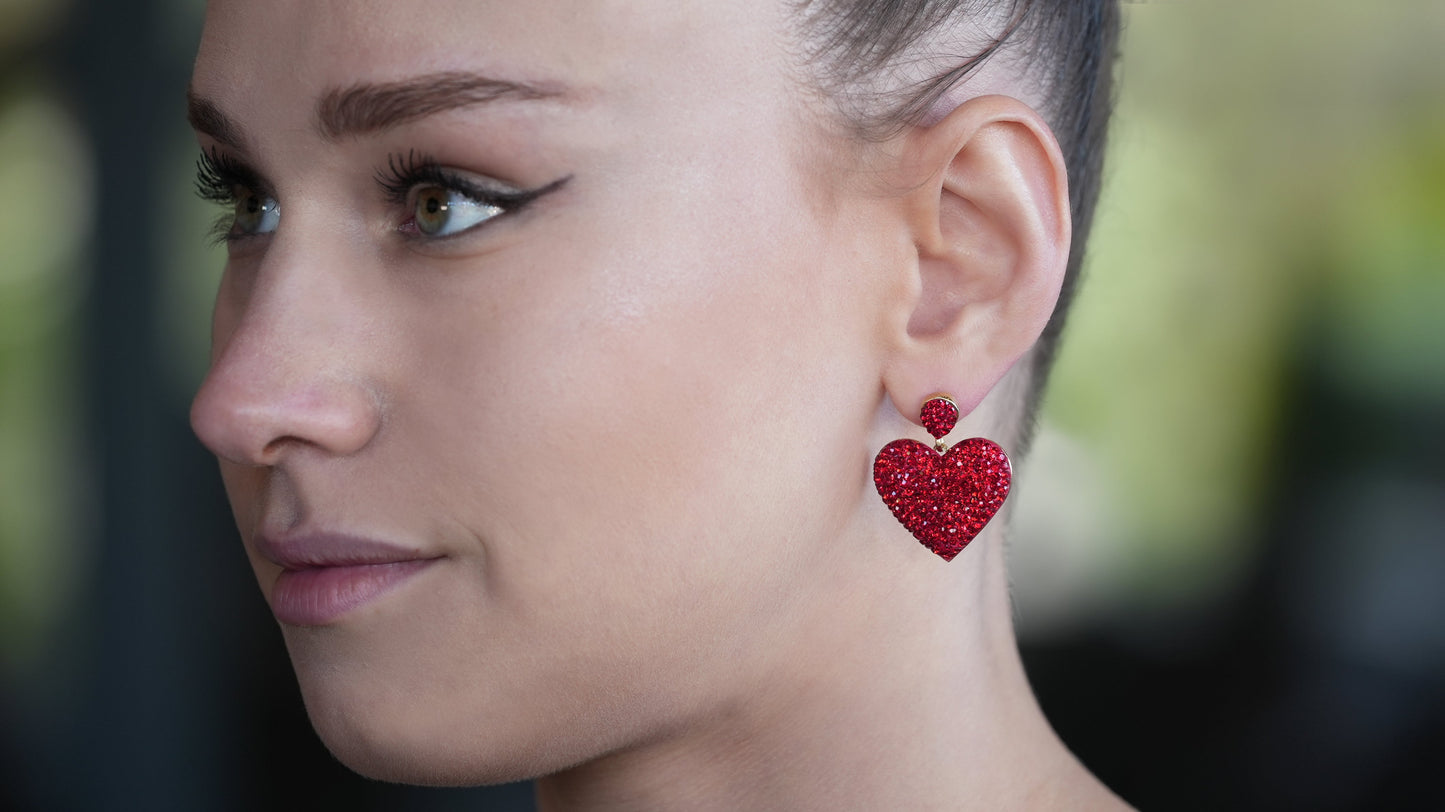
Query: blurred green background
point(1228, 548)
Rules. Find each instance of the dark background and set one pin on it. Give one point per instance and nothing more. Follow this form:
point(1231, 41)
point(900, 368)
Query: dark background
point(1279, 643)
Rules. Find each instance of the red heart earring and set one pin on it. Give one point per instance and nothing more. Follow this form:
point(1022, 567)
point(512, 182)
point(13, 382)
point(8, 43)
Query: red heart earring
point(944, 496)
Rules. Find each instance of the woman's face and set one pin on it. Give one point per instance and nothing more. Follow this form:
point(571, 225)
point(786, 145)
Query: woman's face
point(542, 451)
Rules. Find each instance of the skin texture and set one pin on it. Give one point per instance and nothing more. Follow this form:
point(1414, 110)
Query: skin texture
point(634, 420)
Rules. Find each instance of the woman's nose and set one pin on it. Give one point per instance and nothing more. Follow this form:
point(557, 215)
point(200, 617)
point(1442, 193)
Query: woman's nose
point(284, 376)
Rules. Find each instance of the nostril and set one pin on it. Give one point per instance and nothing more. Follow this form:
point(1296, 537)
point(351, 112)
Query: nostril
point(225, 424)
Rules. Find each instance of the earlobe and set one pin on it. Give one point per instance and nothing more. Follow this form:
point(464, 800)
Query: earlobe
point(990, 220)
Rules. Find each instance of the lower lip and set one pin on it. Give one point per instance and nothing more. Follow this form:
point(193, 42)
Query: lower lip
point(322, 595)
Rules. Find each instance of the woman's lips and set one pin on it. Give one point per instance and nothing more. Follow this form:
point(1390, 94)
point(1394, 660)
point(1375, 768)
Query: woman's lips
point(317, 596)
point(325, 576)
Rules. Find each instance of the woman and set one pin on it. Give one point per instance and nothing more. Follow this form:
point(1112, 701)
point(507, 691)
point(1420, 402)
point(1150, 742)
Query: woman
point(554, 345)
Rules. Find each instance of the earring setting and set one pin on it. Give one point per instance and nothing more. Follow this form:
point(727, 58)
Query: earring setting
point(944, 496)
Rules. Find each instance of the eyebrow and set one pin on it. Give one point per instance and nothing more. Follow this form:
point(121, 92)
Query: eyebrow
point(205, 117)
point(366, 108)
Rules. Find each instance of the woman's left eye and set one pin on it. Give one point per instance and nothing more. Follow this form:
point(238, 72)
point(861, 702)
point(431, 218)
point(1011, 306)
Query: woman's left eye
point(438, 202)
point(439, 211)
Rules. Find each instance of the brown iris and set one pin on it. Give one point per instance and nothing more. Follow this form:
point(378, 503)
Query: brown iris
point(433, 210)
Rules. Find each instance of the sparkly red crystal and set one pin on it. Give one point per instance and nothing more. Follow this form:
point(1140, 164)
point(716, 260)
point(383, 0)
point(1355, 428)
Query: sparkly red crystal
point(944, 500)
point(939, 416)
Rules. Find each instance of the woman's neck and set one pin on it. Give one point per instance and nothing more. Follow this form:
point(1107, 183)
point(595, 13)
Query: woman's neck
point(886, 700)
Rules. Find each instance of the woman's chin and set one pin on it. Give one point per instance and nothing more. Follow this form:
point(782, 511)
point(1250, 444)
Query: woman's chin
point(385, 747)
point(398, 724)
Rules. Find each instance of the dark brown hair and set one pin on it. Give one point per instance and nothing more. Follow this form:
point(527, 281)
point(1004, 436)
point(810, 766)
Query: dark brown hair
point(1066, 47)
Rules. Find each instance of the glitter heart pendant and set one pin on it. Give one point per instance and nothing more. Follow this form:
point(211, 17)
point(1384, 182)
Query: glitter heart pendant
point(944, 499)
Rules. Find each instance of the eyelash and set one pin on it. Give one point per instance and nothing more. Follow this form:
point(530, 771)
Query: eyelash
point(403, 175)
point(218, 176)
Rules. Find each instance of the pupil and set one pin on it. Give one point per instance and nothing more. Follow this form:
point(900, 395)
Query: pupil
point(253, 204)
point(433, 205)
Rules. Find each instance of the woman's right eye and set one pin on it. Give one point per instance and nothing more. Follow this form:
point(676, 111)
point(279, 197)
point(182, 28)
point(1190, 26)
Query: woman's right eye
point(255, 214)
point(224, 180)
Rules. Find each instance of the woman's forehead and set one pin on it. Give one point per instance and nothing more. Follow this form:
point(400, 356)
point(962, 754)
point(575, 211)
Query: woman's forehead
point(611, 46)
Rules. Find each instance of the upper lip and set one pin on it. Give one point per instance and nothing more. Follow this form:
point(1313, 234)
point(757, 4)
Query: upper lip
point(299, 551)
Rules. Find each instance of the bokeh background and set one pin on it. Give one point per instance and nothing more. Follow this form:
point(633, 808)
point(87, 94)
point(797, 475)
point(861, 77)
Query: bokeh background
point(1229, 547)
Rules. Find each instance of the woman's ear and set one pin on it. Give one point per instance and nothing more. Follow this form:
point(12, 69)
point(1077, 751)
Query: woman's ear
point(989, 210)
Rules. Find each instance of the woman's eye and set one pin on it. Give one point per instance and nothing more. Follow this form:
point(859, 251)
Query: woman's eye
point(255, 214)
point(442, 212)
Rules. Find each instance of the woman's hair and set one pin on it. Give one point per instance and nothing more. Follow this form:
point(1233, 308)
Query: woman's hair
point(887, 64)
